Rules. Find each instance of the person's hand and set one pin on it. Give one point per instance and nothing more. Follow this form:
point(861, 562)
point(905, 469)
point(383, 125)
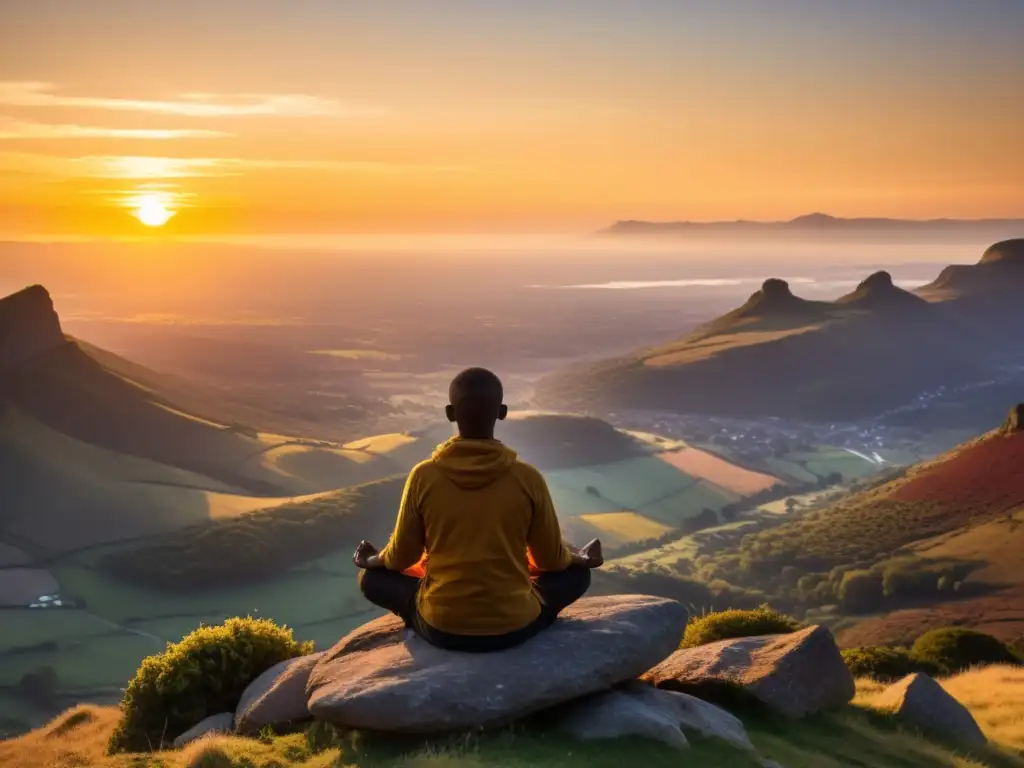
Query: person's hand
point(592, 554)
point(363, 553)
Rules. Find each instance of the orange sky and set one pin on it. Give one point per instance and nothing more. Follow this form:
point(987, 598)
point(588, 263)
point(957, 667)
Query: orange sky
point(320, 117)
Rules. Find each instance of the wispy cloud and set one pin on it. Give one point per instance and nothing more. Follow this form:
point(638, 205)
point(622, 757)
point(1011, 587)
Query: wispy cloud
point(12, 130)
point(38, 94)
point(149, 167)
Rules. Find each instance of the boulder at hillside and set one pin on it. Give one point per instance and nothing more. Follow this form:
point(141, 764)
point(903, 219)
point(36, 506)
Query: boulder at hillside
point(220, 723)
point(382, 677)
point(923, 703)
point(276, 697)
point(638, 709)
point(793, 675)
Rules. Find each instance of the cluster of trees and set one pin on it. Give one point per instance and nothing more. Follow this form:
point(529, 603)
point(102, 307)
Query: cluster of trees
point(859, 588)
point(699, 597)
point(260, 545)
point(943, 651)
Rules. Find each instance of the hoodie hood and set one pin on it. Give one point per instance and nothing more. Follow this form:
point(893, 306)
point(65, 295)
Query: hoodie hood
point(473, 463)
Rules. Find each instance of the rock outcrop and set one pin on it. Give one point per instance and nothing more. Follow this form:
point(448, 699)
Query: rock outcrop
point(276, 697)
point(1005, 252)
point(382, 677)
point(998, 275)
point(877, 292)
point(641, 710)
point(921, 702)
point(793, 675)
point(774, 299)
point(29, 326)
point(221, 723)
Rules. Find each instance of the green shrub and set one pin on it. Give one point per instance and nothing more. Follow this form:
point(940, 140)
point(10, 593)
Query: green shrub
point(40, 686)
point(202, 675)
point(725, 625)
point(884, 664)
point(954, 649)
point(909, 579)
point(860, 591)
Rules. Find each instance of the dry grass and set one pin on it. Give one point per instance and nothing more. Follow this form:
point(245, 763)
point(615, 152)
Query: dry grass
point(76, 738)
point(626, 526)
point(691, 351)
point(994, 695)
point(706, 466)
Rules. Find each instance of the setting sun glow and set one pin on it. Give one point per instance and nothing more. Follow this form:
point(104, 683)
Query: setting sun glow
point(151, 210)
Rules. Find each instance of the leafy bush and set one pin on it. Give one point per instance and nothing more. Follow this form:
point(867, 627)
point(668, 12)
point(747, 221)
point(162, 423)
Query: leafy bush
point(725, 625)
point(40, 686)
point(202, 675)
point(954, 649)
point(860, 591)
point(918, 578)
point(884, 664)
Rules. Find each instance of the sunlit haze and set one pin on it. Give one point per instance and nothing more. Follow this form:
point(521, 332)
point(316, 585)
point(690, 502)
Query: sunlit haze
point(313, 117)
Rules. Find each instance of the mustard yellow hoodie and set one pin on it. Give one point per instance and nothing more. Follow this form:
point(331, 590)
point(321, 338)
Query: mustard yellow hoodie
point(475, 509)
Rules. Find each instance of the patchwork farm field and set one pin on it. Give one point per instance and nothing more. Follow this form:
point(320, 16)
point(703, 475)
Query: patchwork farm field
point(717, 470)
point(621, 527)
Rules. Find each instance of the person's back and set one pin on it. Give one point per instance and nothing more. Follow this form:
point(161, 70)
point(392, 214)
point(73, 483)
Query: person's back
point(475, 510)
point(481, 509)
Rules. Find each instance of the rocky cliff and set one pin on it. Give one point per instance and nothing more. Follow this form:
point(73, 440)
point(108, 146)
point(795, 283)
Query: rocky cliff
point(29, 326)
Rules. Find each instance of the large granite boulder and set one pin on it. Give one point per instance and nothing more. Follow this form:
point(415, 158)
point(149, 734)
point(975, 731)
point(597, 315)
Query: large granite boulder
point(923, 703)
point(276, 697)
point(220, 723)
point(382, 677)
point(638, 709)
point(793, 675)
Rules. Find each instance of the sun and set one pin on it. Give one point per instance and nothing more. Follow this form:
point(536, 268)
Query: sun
point(151, 210)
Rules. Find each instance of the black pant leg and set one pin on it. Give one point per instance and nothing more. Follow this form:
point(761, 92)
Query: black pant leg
point(392, 591)
point(560, 589)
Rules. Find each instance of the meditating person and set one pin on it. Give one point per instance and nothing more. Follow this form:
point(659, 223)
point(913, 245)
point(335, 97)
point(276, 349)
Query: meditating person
point(470, 514)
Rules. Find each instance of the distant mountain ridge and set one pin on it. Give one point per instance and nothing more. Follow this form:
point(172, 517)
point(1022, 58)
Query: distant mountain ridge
point(874, 349)
point(821, 223)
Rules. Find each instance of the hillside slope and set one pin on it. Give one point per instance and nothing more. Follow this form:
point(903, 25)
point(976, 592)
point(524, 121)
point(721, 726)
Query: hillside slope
point(873, 349)
point(937, 545)
point(978, 482)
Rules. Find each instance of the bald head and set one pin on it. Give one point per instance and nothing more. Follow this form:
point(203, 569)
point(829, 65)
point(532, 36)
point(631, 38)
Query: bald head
point(474, 398)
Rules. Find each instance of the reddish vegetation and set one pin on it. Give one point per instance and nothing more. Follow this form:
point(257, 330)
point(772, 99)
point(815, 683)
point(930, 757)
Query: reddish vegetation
point(1000, 614)
point(988, 475)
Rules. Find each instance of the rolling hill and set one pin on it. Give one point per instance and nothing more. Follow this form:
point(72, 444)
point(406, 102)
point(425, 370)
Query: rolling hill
point(959, 516)
point(874, 349)
point(998, 275)
point(99, 444)
point(132, 510)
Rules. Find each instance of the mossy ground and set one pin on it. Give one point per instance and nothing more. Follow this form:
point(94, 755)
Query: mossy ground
point(856, 737)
